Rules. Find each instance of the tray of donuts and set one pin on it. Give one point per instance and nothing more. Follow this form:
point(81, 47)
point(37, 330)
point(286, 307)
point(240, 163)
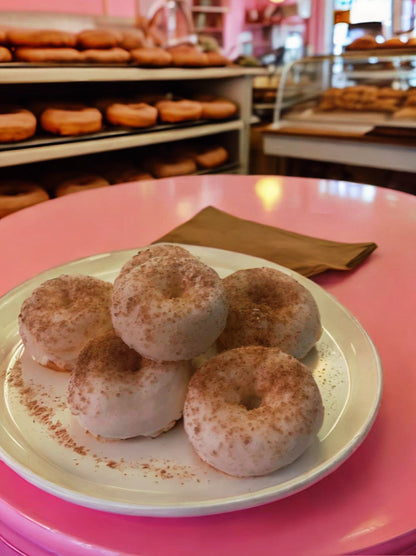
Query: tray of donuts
point(43, 120)
point(385, 106)
point(62, 177)
point(369, 44)
point(99, 46)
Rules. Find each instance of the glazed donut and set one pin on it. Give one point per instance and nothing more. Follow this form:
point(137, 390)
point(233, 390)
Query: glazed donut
point(44, 55)
point(158, 250)
point(16, 124)
point(98, 38)
point(216, 108)
point(188, 56)
point(71, 119)
point(252, 410)
point(146, 398)
point(210, 157)
point(5, 54)
point(41, 37)
point(3, 36)
point(80, 183)
point(19, 194)
point(173, 111)
point(173, 165)
point(131, 114)
point(115, 55)
point(61, 316)
point(151, 57)
point(169, 308)
point(269, 308)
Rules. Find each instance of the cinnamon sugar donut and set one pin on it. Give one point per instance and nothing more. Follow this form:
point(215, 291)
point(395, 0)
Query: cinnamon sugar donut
point(158, 250)
point(18, 194)
point(169, 308)
point(61, 316)
point(131, 114)
point(151, 57)
point(42, 55)
point(16, 124)
point(98, 38)
point(115, 393)
point(173, 111)
point(41, 37)
point(115, 55)
point(269, 308)
point(71, 119)
point(80, 183)
point(5, 54)
point(252, 410)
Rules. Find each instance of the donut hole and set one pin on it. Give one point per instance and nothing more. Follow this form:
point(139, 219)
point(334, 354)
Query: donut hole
point(251, 401)
point(265, 294)
point(172, 288)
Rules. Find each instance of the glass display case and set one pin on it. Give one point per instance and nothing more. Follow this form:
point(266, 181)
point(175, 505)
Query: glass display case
point(376, 88)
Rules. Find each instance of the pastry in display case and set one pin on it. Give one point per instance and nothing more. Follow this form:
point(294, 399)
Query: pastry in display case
point(354, 88)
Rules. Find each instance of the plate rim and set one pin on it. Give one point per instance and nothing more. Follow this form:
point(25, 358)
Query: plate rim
point(211, 506)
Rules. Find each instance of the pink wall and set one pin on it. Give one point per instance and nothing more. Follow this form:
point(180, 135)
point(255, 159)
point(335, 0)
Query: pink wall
point(71, 6)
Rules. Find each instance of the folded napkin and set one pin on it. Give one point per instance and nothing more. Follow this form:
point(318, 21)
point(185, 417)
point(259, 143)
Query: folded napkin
point(307, 255)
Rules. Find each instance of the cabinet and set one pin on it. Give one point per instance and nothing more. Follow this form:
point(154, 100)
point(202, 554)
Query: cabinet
point(209, 18)
point(24, 82)
point(355, 109)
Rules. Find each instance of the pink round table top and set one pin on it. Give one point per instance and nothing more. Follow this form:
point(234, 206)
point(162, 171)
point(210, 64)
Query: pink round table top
point(369, 501)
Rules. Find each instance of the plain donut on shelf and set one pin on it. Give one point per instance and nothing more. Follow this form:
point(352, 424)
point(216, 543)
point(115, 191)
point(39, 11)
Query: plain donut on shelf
point(61, 316)
point(43, 55)
point(16, 124)
point(216, 108)
point(151, 57)
point(5, 54)
point(269, 308)
point(169, 308)
point(210, 157)
point(81, 182)
point(40, 37)
point(131, 114)
point(71, 119)
point(146, 398)
point(98, 38)
point(115, 55)
point(19, 194)
point(188, 56)
point(172, 111)
point(252, 410)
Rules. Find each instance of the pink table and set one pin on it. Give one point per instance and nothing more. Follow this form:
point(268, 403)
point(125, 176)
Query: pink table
point(367, 503)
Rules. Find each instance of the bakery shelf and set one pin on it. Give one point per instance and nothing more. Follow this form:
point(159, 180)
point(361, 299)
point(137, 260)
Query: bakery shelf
point(210, 9)
point(75, 146)
point(15, 73)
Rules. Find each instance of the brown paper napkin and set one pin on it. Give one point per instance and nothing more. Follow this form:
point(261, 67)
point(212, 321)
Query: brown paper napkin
point(307, 255)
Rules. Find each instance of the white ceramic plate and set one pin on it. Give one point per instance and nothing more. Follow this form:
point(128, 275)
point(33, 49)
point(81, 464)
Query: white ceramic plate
point(163, 477)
